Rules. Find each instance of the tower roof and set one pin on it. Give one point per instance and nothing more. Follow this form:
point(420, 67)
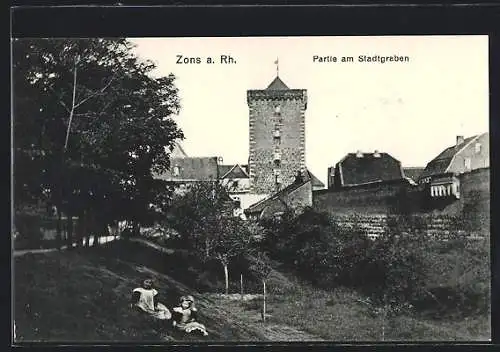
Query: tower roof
point(277, 84)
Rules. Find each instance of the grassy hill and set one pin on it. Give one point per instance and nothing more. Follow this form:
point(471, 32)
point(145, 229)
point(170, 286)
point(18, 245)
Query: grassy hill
point(66, 296)
point(82, 295)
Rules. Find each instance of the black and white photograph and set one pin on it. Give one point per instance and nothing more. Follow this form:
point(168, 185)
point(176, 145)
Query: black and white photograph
point(251, 189)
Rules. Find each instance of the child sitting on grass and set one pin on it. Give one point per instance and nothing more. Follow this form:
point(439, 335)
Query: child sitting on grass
point(146, 298)
point(185, 316)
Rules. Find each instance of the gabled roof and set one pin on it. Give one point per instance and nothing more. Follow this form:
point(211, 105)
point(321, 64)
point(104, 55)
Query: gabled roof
point(224, 169)
point(354, 170)
point(191, 169)
point(236, 171)
point(277, 84)
point(440, 164)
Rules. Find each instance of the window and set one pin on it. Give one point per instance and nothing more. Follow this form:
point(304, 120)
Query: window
point(277, 109)
point(176, 171)
point(478, 148)
point(467, 163)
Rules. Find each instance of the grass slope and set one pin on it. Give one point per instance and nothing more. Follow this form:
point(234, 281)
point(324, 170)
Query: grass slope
point(83, 295)
point(75, 296)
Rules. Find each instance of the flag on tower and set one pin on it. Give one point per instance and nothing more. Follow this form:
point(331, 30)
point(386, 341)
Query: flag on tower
point(277, 67)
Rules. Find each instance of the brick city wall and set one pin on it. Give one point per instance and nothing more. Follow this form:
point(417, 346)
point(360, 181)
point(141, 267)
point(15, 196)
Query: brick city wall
point(371, 204)
point(263, 121)
point(373, 199)
point(439, 226)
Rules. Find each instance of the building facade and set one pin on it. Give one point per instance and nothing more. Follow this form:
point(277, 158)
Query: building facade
point(357, 169)
point(277, 136)
point(440, 175)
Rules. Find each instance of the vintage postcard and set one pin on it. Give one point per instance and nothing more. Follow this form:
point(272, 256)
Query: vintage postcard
point(249, 189)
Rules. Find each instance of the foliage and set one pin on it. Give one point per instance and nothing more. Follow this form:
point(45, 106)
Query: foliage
point(315, 246)
point(261, 266)
point(199, 215)
point(90, 127)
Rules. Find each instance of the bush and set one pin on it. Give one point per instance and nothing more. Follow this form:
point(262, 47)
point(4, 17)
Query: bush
point(29, 229)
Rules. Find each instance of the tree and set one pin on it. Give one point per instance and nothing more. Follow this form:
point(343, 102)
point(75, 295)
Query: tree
point(198, 215)
point(91, 125)
point(262, 269)
point(234, 238)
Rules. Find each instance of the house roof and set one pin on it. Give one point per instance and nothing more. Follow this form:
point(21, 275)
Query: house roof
point(355, 170)
point(260, 205)
point(233, 171)
point(440, 164)
point(315, 182)
point(192, 169)
point(413, 172)
point(224, 169)
point(277, 84)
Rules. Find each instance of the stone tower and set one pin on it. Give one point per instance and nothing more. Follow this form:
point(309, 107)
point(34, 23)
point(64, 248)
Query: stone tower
point(277, 136)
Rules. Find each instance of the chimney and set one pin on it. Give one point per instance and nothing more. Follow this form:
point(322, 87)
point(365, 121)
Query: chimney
point(376, 154)
point(359, 154)
point(460, 140)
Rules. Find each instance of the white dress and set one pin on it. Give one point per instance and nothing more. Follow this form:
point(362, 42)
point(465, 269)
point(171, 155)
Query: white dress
point(146, 303)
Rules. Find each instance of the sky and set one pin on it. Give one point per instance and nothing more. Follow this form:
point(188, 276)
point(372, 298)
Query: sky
point(411, 110)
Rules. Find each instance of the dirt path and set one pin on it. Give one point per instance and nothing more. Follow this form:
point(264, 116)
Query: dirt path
point(21, 252)
point(270, 330)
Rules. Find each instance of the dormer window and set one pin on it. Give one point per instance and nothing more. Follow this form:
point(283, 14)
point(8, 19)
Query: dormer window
point(176, 171)
point(478, 148)
point(277, 134)
point(277, 156)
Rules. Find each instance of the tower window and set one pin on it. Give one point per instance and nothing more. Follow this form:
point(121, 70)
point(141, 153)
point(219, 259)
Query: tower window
point(176, 171)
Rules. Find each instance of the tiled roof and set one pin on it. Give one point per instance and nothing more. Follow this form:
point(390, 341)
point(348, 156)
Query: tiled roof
point(368, 168)
point(439, 164)
point(277, 84)
point(232, 171)
point(192, 169)
point(224, 169)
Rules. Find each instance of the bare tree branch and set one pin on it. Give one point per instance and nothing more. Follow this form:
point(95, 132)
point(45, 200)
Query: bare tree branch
point(100, 91)
point(72, 105)
point(60, 101)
